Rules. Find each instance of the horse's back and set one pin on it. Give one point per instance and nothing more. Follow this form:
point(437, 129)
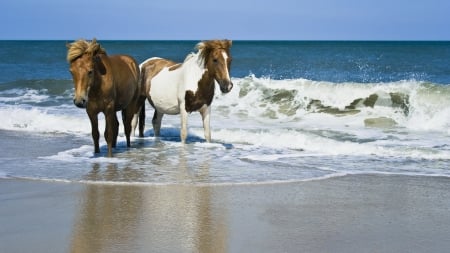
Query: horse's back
point(125, 78)
point(160, 82)
point(151, 67)
point(125, 67)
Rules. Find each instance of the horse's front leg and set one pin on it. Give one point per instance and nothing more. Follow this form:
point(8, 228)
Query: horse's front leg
point(156, 122)
point(205, 111)
point(111, 130)
point(128, 115)
point(183, 116)
point(95, 134)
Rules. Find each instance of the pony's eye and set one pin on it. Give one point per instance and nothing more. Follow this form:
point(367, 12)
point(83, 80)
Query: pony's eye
point(90, 73)
point(215, 60)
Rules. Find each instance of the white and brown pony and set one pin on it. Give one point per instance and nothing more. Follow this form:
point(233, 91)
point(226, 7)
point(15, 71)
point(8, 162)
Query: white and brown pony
point(105, 84)
point(182, 88)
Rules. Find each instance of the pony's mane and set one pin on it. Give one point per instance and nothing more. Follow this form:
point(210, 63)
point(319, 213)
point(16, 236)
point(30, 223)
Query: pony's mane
point(206, 47)
point(80, 47)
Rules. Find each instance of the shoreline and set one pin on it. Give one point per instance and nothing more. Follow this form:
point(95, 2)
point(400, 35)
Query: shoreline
point(353, 213)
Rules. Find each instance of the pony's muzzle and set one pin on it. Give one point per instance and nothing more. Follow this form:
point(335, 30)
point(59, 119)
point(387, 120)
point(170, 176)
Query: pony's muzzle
point(226, 86)
point(80, 102)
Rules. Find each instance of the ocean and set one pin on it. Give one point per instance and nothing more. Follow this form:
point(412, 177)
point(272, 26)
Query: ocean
point(299, 111)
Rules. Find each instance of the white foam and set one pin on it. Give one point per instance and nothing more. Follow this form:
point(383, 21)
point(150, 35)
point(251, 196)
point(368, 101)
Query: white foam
point(84, 153)
point(37, 119)
point(23, 96)
point(429, 106)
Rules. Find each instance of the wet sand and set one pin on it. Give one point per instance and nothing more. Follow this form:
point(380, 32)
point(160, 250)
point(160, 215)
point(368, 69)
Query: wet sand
point(362, 213)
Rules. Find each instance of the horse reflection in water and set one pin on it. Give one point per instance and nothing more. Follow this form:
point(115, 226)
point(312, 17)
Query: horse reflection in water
point(147, 218)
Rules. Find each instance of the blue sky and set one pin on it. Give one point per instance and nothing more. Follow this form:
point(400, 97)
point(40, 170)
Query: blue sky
point(233, 19)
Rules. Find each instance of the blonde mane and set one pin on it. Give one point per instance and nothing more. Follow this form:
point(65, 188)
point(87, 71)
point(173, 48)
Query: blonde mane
point(80, 47)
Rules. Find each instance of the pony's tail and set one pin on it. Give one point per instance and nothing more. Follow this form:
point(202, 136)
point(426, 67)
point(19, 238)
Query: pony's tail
point(141, 101)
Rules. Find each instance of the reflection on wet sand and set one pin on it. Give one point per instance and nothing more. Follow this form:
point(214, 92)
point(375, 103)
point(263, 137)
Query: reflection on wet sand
point(108, 217)
point(145, 218)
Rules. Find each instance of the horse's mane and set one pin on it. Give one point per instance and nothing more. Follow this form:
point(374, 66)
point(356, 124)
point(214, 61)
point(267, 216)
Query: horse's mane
point(206, 47)
point(80, 47)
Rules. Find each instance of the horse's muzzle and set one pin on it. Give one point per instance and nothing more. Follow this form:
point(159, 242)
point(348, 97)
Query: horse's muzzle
point(80, 103)
point(225, 86)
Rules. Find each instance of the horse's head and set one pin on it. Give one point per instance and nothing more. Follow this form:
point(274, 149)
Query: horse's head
point(83, 58)
point(217, 60)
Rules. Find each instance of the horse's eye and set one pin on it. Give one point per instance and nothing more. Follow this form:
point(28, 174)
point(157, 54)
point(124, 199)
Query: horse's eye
point(90, 73)
point(215, 60)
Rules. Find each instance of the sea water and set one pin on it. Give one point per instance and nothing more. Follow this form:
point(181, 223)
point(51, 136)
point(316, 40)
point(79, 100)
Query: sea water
point(299, 110)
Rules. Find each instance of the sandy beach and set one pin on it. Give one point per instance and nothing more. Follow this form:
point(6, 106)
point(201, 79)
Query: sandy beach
point(359, 213)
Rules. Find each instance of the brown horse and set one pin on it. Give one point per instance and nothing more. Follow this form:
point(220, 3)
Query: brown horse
point(181, 88)
point(104, 84)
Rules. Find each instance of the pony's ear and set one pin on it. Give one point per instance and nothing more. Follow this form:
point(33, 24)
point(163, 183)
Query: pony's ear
point(95, 48)
point(68, 45)
point(229, 43)
point(200, 45)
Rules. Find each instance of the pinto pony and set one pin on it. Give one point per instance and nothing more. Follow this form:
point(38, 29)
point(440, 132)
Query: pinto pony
point(104, 84)
point(182, 88)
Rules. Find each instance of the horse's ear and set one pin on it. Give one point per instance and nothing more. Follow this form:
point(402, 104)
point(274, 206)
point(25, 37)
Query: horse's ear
point(68, 45)
point(229, 43)
point(200, 45)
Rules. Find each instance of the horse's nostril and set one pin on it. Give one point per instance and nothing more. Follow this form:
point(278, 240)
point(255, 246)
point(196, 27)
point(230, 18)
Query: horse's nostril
point(80, 103)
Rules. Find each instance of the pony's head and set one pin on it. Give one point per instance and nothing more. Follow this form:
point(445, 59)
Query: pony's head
point(217, 60)
point(83, 57)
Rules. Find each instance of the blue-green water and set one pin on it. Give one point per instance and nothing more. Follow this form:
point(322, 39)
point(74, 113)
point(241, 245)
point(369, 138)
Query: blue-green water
point(298, 111)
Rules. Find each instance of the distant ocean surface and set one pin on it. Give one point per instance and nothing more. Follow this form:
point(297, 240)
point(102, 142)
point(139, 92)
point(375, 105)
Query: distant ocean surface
point(299, 110)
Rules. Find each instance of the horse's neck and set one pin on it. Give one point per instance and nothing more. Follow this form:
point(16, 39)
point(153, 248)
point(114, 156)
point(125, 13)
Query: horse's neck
point(193, 61)
point(193, 69)
point(99, 73)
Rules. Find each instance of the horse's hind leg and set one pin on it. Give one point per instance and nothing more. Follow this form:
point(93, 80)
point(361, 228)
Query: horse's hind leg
point(112, 125)
point(111, 130)
point(142, 120)
point(127, 118)
point(156, 121)
point(116, 131)
point(139, 118)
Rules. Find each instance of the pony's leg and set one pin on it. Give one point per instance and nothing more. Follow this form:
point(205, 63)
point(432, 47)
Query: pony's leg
point(156, 122)
point(112, 125)
point(111, 130)
point(134, 123)
point(139, 117)
point(95, 134)
point(116, 131)
point(142, 120)
point(184, 115)
point(127, 118)
point(205, 111)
